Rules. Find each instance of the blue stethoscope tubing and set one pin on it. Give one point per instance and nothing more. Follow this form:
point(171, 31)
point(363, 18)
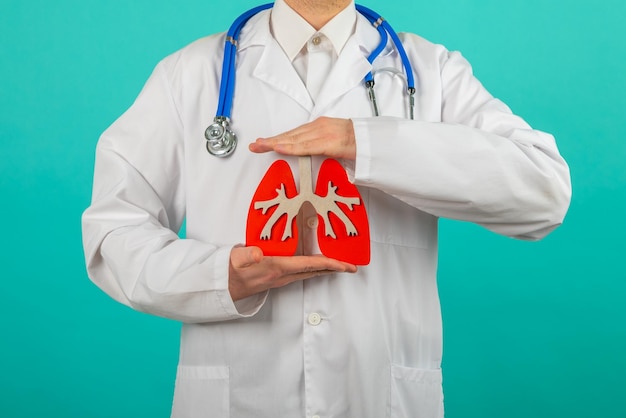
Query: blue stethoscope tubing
point(221, 141)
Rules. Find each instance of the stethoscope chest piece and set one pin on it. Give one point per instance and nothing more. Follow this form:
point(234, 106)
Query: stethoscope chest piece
point(220, 140)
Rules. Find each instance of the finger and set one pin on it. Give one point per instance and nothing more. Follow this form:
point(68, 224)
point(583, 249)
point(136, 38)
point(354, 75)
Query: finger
point(307, 143)
point(312, 147)
point(300, 134)
point(259, 147)
point(286, 148)
point(242, 257)
point(295, 133)
point(269, 144)
point(308, 264)
point(285, 280)
point(318, 129)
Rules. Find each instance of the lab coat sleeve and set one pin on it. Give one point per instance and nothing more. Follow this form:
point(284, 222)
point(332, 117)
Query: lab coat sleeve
point(131, 248)
point(480, 164)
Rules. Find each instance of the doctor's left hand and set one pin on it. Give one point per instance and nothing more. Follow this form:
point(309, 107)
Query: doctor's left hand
point(250, 272)
point(331, 137)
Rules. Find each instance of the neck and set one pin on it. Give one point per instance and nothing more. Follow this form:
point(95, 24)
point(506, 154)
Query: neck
point(318, 12)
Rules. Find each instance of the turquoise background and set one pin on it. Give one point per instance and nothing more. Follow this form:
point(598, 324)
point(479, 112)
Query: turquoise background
point(531, 329)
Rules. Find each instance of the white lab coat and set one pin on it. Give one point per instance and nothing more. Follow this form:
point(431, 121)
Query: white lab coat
point(366, 345)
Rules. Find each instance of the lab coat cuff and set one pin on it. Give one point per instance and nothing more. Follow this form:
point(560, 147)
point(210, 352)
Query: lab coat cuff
point(242, 308)
point(251, 305)
point(361, 171)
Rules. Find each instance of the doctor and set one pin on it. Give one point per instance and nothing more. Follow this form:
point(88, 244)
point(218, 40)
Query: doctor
point(309, 336)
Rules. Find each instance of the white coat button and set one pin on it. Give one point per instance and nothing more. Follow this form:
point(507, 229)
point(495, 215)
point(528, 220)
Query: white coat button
point(312, 222)
point(315, 319)
point(316, 41)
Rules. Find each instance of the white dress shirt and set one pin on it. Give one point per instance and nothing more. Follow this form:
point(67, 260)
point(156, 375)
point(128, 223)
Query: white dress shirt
point(312, 53)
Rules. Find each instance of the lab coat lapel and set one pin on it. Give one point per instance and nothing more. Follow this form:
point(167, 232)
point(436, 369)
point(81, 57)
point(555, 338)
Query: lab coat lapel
point(348, 72)
point(273, 66)
point(275, 69)
point(351, 66)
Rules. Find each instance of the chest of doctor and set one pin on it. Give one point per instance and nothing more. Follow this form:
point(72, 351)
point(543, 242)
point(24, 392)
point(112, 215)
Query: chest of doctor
point(270, 98)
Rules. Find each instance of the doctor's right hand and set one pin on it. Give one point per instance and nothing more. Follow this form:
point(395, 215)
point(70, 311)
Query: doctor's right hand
point(331, 137)
point(251, 272)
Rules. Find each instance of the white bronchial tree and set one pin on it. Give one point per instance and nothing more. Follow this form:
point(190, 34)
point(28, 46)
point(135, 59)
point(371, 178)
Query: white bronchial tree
point(323, 205)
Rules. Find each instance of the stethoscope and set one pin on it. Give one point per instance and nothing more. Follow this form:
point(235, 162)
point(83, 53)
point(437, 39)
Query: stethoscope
point(222, 141)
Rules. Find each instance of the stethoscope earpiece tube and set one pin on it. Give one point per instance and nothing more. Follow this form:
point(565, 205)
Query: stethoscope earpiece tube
point(385, 28)
point(222, 141)
point(376, 21)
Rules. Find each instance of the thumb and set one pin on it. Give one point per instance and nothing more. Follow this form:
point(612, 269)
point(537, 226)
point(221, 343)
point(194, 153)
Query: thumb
point(242, 257)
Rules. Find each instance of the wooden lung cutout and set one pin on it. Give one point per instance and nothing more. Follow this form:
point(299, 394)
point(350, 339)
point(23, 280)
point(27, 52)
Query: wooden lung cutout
point(343, 231)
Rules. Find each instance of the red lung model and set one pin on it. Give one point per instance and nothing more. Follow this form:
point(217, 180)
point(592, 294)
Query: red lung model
point(343, 230)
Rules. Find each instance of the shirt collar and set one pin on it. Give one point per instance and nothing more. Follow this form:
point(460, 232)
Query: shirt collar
point(292, 32)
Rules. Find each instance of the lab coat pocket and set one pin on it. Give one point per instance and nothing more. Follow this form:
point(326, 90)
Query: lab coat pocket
point(416, 393)
point(201, 392)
